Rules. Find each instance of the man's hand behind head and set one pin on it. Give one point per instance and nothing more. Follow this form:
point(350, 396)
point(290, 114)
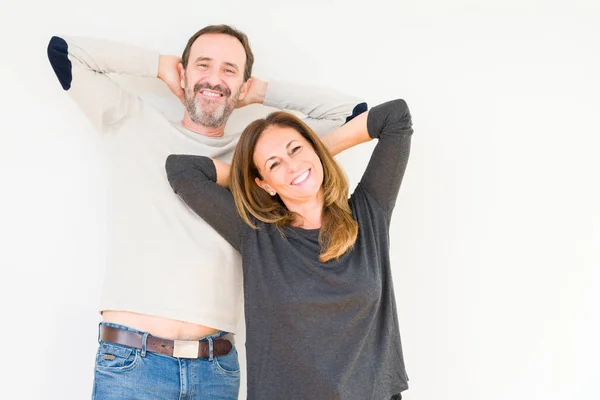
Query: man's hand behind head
point(256, 92)
point(168, 72)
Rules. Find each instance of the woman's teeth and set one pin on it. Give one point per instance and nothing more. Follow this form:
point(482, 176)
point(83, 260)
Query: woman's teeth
point(301, 178)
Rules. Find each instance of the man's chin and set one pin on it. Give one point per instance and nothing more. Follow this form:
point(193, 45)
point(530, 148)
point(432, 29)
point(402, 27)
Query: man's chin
point(210, 107)
point(211, 100)
point(210, 120)
point(210, 113)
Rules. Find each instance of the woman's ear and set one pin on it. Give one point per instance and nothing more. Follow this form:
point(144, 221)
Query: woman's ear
point(265, 186)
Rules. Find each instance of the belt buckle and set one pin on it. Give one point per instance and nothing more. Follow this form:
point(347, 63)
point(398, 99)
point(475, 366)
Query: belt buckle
point(186, 348)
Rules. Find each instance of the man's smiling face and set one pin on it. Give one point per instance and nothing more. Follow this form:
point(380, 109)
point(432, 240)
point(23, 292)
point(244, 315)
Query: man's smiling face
point(213, 81)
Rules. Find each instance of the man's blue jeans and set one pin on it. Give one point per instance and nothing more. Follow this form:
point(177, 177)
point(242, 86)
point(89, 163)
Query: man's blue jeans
point(126, 373)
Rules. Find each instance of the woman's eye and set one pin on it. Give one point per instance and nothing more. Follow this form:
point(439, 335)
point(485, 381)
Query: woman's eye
point(275, 164)
point(296, 149)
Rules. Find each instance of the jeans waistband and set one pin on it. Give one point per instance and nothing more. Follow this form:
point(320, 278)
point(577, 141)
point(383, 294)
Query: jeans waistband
point(205, 347)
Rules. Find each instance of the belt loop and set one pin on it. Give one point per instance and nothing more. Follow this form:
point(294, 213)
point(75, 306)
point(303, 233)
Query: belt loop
point(144, 340)
point(99, 327)
point(210, 349)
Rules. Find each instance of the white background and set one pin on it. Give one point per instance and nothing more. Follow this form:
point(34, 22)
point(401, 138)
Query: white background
point(496, 234)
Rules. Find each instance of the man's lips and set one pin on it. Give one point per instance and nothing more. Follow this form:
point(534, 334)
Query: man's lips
point(213, 94)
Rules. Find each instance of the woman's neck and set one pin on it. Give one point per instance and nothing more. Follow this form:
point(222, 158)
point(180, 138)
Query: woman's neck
point(310, 212)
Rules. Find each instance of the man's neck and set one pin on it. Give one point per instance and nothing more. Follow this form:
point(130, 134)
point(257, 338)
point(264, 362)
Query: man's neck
point(201, 129)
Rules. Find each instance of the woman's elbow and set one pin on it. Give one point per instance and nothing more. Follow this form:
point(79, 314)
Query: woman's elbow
point(174, 167)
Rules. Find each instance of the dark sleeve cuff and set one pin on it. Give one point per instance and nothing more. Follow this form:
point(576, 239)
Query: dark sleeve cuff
point(356, 111)
point(58, 54)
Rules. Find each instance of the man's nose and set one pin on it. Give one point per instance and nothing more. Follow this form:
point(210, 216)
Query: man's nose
point(213, 77)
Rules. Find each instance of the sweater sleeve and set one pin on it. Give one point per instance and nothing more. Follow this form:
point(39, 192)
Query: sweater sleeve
point(324, 109)
point(391, 124)
point(194, 180)
point(83, 65)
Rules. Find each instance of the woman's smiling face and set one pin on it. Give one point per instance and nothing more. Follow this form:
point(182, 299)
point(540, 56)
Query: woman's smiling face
point(288, 165)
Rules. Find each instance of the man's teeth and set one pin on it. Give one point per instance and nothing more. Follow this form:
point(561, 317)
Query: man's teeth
point(211, 94)
point(300, 179)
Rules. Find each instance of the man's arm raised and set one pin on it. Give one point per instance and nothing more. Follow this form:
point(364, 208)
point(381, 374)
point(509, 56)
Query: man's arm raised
point(82, 66)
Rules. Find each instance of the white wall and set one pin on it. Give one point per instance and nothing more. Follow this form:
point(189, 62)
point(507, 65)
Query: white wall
point(496, 235)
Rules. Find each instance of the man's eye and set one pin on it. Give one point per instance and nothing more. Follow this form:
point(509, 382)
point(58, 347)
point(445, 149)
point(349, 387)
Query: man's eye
point(230, 71)
point(203, 65)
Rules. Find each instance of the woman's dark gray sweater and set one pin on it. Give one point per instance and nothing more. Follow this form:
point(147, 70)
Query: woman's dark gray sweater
point(317, 331)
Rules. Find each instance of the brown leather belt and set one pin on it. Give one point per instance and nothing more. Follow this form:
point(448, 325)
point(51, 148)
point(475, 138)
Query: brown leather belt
point(173, 348)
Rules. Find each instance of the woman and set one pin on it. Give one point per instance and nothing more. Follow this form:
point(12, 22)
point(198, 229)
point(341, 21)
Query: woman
point(320, 312)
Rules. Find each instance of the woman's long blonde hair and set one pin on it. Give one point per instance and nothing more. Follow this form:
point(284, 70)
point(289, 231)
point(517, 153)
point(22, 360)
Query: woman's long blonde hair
point(338, 229)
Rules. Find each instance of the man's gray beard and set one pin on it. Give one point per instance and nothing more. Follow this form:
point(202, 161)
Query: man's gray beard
point(201, 116)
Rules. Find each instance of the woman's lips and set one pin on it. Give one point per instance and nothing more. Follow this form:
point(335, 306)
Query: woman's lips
point(300, 179)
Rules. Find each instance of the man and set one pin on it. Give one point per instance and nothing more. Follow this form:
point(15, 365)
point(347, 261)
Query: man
point(172, 292)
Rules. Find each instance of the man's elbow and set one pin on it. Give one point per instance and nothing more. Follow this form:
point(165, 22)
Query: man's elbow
point(58, 55)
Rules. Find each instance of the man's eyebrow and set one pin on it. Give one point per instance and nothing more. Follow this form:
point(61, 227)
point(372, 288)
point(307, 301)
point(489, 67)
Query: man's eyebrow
point(203, 59)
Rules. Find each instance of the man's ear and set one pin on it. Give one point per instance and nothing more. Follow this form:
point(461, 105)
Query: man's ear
point(245, 88)
point(181, 71)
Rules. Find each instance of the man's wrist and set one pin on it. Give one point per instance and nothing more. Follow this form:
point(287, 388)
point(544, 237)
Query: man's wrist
point(260, 90)
point(166, 64)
